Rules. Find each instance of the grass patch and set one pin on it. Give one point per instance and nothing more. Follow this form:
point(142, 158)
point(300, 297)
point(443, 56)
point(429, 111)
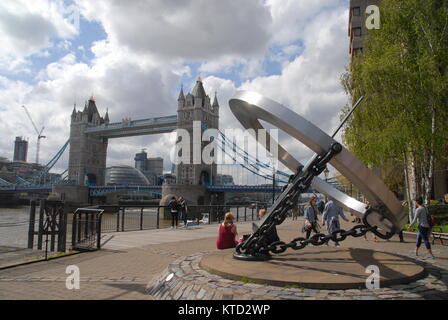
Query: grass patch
point(61, 254)
point(247, 280)
point(436, 228)
point(293, 286)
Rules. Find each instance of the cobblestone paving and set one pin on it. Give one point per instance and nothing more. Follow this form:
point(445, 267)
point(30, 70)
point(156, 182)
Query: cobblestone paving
point(184, 279)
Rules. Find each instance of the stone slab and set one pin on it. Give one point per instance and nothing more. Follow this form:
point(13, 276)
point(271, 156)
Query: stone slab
point(317, 268)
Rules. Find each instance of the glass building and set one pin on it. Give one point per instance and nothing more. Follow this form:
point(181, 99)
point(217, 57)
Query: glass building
point(125, 175)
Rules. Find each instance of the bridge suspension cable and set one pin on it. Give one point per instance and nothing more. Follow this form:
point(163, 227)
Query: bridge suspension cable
point(242, 158)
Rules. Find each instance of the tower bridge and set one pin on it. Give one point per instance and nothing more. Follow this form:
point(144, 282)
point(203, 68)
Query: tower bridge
point(90, 133)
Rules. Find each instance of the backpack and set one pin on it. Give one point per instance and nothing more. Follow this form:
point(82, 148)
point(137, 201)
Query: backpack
point(174, 206)
point(431, 218)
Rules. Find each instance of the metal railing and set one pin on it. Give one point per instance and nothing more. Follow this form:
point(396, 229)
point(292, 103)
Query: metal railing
point(86, 229)
point(144, 217)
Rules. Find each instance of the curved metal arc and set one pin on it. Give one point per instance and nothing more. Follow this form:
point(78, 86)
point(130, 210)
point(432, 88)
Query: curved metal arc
point(251, 107)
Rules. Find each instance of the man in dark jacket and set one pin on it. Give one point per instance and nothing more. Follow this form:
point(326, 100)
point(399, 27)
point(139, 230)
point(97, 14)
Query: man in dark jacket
point(173, 206)
point(183, 210)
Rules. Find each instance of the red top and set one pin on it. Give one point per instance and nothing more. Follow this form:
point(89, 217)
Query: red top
point(226, 238)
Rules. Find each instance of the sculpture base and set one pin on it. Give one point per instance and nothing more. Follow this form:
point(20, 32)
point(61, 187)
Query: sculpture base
point(250, 257)
point(316, 268)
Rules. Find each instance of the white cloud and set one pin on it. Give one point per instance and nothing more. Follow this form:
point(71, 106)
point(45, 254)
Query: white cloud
point(191, 30)
point(28, 27)
point(291, 17)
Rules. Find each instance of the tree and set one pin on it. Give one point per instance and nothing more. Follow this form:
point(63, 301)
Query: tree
point(403, 75)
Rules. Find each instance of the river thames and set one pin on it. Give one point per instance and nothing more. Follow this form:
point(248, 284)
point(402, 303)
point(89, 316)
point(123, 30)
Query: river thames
point(14, 224)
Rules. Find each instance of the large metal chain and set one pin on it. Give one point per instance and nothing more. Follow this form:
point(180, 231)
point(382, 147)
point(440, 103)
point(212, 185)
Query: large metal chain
point(318, 239)
point(258, 243)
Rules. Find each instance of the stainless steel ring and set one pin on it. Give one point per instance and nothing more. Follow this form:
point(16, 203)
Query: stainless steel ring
point(250, 107)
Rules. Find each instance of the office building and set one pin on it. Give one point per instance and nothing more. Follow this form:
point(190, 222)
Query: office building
point(152, 168)
point(20, 149)
point(357, 24)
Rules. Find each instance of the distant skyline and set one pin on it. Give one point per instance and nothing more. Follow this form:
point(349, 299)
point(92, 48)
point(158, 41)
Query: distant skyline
point(133, 57)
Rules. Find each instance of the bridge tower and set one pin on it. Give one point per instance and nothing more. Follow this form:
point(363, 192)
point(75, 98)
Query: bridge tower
point(196, 106)
point(87, 160)
point(194, 176)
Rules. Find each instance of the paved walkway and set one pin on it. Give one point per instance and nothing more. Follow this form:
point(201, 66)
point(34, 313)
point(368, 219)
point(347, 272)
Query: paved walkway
point(10, 256)
point(121, 270)
point(138, 239)
point(131, 260)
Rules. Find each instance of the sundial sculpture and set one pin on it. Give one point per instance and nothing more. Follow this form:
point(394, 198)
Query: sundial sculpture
point(384, 217)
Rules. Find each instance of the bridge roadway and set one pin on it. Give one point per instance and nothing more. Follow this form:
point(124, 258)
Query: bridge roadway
point(100, 190)
point(128, 128)
point(95, 191)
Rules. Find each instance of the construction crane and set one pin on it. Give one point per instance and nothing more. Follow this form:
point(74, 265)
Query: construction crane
point(39, 134)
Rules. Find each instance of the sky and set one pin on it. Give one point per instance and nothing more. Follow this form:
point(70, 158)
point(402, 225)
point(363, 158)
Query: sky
point(134, 56)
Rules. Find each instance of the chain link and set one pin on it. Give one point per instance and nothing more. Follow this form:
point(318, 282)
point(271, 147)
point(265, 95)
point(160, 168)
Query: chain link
point(319, 239)
point(258, 243)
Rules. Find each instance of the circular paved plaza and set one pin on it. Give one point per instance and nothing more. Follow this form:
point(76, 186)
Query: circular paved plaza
point(317, 268)
point(186, 279)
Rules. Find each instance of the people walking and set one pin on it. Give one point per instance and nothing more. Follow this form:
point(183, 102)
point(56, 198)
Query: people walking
point(330, 217)
point(311, 221)
point(173, 206)
point(320, 205)
point(227, 233)
point(183, 210)
point(421, 217)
